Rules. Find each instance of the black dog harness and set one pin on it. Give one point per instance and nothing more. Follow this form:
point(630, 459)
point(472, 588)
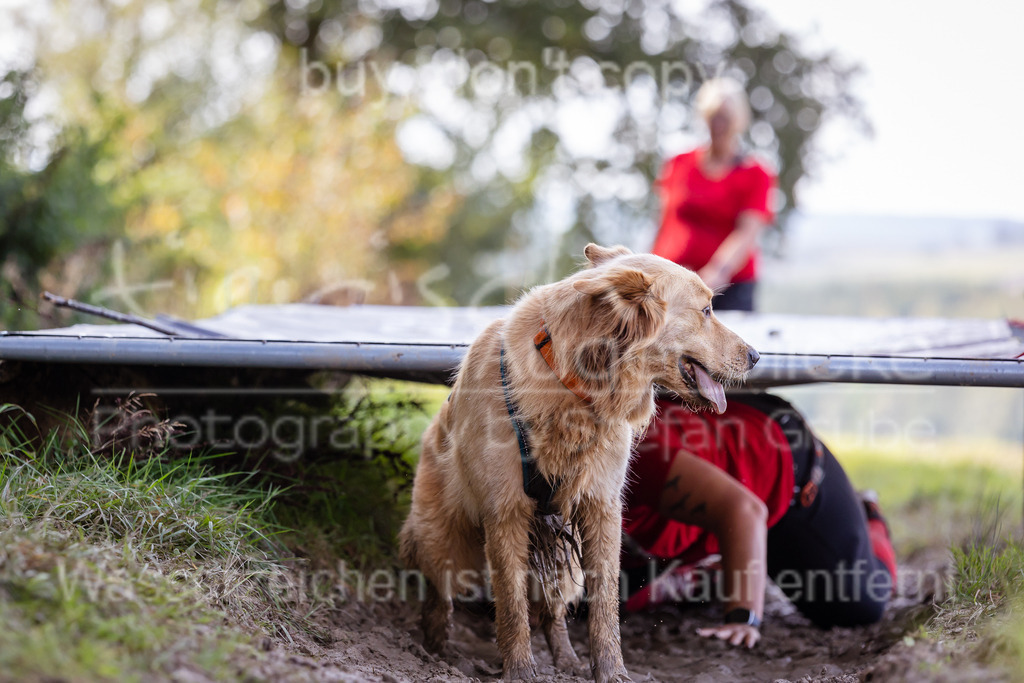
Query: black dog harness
point(535, 484)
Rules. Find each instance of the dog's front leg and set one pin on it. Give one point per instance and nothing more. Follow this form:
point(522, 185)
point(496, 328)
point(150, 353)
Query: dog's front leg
point(552, 620)
point(507, 547)
point(601, 522)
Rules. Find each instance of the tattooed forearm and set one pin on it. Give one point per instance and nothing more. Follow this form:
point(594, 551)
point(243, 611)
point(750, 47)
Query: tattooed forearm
point(672, 483)
point(678, 508)
point(680, 504)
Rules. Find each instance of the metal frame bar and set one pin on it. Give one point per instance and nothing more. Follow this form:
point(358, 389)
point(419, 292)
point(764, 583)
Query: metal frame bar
point(436, 362)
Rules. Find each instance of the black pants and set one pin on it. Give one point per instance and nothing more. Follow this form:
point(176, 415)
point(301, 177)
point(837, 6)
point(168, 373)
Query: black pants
point(821, 555)
point(739, 296)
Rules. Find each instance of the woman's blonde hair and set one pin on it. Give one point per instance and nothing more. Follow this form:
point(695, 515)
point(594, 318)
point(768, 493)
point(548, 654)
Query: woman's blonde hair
point(718, 91)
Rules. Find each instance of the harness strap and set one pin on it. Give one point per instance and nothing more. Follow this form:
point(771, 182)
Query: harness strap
point(535, 484)
point(572, 381)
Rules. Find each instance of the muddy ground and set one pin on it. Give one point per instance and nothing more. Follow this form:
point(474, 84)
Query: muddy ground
point(382, 642)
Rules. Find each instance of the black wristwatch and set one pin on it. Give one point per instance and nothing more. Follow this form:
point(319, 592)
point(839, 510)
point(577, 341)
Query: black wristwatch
point(742, 615)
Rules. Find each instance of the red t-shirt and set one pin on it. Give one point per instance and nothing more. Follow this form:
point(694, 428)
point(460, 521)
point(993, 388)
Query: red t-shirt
point(700, 212)
point(743, 441)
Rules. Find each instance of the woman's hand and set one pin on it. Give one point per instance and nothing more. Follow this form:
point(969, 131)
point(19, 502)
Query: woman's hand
point(697, 492)
point(735, 634)
point(734, 251)
point(714, 277)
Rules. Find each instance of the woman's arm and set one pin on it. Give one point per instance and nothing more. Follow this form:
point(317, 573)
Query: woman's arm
point(696, 492)
point(734, 251)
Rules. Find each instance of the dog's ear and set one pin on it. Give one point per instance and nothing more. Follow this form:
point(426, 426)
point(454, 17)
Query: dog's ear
point(628, 305)
point(597, 254)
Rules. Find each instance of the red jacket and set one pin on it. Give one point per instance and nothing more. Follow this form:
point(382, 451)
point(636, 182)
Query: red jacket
point(699, 212)
point(742, 441)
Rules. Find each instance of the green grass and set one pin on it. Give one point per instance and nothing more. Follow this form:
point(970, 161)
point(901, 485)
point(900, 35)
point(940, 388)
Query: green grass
point(134, 566)
point(934, 497)
point(83, 610)
point(169, 510)
point(965, 499)
point(120, 568)
point(988, 574)
point(982, 620)
point(350, 502)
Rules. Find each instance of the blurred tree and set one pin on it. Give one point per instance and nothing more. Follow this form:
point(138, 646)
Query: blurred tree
point(552, 117)
point(54, 212)
point(304, 214)
point(242, 150)
point(228, 187)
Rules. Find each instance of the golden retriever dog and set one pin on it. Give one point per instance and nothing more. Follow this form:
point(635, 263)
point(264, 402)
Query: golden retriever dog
point(575, 364)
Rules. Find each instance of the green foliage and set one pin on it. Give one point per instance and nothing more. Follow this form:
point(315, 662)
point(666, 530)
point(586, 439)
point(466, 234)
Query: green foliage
point(187, 139)
point(186, 176)
point(52, 202)
point(349, 501)
point(509, 155)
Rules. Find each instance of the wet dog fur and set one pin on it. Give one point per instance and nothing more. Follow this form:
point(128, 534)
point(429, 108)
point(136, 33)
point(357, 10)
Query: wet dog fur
point(624, 324)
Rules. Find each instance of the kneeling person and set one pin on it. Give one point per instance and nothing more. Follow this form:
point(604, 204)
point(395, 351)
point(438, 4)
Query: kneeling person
point(755, 485)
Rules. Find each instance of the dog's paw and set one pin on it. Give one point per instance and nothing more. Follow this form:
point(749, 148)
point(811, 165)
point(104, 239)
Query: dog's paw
point(436, 644)
point(520, 671)
point(572, 665)
point(618, 676)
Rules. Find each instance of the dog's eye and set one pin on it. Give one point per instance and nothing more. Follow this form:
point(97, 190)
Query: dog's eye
point(707, 311)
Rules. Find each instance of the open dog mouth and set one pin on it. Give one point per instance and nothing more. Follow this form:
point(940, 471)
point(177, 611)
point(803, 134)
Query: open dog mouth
point(698, 379)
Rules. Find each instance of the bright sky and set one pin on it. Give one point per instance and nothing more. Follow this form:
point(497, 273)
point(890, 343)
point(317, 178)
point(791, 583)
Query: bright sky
point(943, 89)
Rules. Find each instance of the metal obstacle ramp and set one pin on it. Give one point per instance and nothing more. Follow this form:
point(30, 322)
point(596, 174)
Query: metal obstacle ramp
point(427, 344)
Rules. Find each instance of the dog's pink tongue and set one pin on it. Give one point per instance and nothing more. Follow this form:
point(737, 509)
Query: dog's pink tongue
point(710, 389)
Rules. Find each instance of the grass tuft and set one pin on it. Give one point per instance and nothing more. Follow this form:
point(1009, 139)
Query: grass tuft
point(989, 566)
point(180, 507)
point(127, 567)
point(981, 618)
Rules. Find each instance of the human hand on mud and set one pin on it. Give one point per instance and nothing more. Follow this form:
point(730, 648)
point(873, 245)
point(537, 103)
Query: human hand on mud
point(735, 634)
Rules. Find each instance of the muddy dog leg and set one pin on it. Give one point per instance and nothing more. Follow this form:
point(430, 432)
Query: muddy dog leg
point(449, 553)
point(602, 539)
point(436, 609)
point(506, 547)
point(435, 618)
point(552, 620)
point(562, 587)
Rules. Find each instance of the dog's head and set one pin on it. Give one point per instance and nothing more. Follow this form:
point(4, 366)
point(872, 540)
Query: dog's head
point(654, 310)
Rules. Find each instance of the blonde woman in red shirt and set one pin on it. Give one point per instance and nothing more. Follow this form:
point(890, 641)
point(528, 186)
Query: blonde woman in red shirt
point(716, 201)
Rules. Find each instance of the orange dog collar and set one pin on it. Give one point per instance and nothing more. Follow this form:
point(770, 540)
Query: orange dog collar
point(572, 381)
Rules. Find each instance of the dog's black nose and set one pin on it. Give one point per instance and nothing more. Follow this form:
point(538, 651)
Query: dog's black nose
point(753, 355)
